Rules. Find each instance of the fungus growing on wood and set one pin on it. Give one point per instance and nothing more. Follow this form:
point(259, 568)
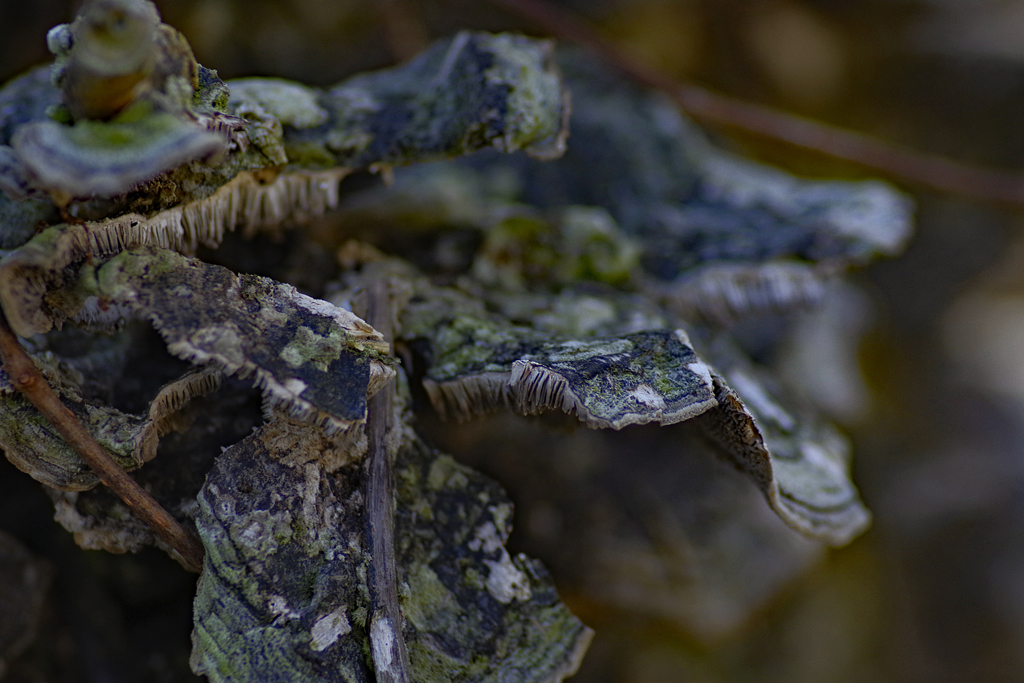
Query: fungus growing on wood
point(317, 361)
point(476, 362)
point(128, 85)
point(601, 285)
point(607, 383)
point(35, 447)
point(714, 238)
point(286, 571)
point(165, 411)
point(800, 463)
point(286, 146)
point(105, 159)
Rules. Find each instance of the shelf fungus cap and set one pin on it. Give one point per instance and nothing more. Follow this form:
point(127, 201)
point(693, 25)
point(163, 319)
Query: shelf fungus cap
point(319, 362)
point(97, 159)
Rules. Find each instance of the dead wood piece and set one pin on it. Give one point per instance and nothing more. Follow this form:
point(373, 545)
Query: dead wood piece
point(387, 642)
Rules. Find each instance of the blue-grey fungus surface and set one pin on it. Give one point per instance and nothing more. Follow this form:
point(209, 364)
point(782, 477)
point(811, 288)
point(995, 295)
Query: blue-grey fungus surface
point(477, 360)
point(800, 462)
point(283, 594)
point(598, 276)
point(318, 361)
point(285, 146)
point(642, 198)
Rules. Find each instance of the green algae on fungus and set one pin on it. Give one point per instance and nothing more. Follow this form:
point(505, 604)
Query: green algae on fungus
point(128, 84)
point(292, 104)
point(477, 361)
point(481, 361)
point(472, 92)
point(636, 379)
point(571, 293)
point(318, 361)
point(108, 158)
point(524, 248)
point(291, 605)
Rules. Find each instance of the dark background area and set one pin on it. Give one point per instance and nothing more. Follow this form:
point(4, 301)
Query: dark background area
point(935, 590)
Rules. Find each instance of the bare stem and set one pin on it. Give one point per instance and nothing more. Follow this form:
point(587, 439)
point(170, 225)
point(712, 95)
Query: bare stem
point(27, 379)
point(387, 644)
point(938, 173)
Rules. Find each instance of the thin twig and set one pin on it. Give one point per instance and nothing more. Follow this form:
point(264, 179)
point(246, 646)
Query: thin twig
point(932, 171)
point(387, 644)
point(27, 379)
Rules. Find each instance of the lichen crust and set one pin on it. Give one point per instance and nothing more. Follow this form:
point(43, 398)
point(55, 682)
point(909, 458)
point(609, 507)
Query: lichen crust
point(316, 360)
point(283, 595)
point(641, 378)
point(801, 464)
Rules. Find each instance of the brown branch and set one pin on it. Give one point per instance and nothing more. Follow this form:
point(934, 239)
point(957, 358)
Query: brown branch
point(27, 379)
point(387, 644)
point(938, 173)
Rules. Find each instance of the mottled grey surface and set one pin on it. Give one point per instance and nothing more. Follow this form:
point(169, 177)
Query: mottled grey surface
point(800, 462)
point(702, 230)
point(317, 360)
point(283, 596)
point(473, 360)
point(471, 92)
point(572, 286)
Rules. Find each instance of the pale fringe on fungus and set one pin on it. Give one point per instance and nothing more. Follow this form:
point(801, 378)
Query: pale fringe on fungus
point(165, 410)
point(537, 389)
point(723, 293)
point(726, 421)
point(529, 389)
point(231, 338)
point(246, 201)
point(380, 374)
point(733, 428)
point(277, 394)
point(39, 266)
point(464, 398)
point(98, 317)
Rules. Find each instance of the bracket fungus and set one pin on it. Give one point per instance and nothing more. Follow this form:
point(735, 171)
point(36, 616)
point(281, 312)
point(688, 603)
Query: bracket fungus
point(603, 284)
point(285, 587)
point(478, 361)
point(34, 446)
point(128, 84)
point(318, 361)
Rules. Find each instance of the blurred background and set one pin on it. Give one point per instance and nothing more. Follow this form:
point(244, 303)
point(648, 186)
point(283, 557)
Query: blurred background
point(934, 405)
